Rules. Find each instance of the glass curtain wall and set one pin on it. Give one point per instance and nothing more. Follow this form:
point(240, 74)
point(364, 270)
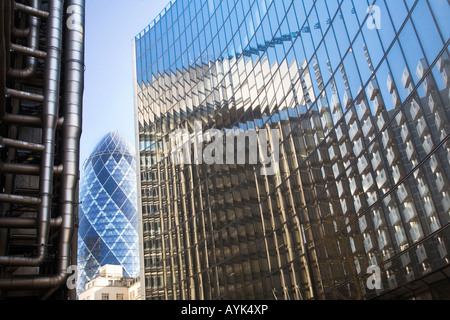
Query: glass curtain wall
point(108, 215)
point(359, 93)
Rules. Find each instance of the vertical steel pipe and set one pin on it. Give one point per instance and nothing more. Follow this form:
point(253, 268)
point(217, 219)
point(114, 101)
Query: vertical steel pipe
point(3, 53)
point(72, 126)
point(7, 30)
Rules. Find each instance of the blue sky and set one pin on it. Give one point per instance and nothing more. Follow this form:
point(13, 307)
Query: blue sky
point(108, 94)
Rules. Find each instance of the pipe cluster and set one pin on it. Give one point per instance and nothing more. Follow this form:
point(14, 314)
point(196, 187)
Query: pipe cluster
point(60, 124)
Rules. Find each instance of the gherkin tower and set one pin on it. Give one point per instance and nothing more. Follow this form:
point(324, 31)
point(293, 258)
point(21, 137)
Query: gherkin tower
point(108, 231)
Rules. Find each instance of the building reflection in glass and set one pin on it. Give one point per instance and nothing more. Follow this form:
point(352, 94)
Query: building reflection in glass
point(362, 114)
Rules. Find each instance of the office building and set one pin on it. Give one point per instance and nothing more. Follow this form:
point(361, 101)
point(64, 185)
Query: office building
point(41, 89)
point(358, 92)
point(108, 221)
point(110, 284)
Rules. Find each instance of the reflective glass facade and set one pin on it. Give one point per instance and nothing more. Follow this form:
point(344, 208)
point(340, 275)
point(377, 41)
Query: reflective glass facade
point(360, 96)
point(108, 215)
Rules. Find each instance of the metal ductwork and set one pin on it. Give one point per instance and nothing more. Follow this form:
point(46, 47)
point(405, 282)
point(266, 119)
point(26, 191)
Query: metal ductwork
point(40, 123)
point(33, 39)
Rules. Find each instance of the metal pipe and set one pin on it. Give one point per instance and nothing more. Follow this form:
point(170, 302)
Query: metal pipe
point(29, 121)
point(74, 245)
point(33, 283)
point(71, 130)
point(32, 11)
point(26, 169)
point(50, 109)
point(22, 145)
point(73, 84)
point(18, 168)
point(26, 223)
point(29, 51)
point(8, 26)
point(12, 198)
point(24, 95)
point(19, 119)
point(6, 36)
point(20, 33)
point(20, 223)
point(3, 54)
point(33, 40)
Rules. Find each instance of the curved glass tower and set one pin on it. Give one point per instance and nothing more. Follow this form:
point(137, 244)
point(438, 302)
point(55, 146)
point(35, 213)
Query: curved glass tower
point(108, 231)
point(358, 92)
